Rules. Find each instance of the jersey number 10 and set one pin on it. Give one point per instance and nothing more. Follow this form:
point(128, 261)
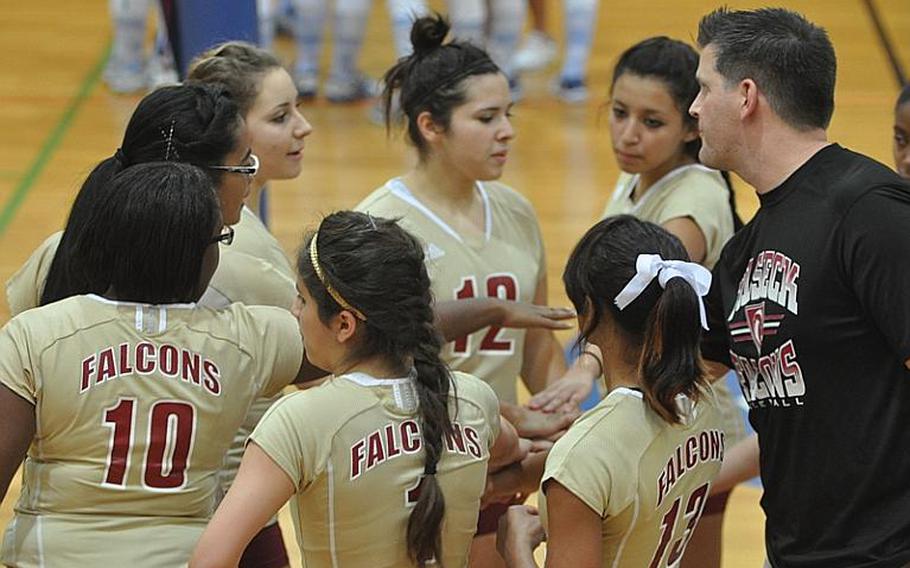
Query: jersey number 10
point(170, 441)
point(503, 286)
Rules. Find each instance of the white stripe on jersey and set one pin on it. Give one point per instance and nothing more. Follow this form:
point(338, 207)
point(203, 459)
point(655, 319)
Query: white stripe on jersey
point(40, 532)
point(400, 190)
point(330, 471)
point(622, 543)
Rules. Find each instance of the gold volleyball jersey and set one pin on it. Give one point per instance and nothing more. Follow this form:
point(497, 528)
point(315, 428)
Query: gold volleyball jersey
point(24, 288)
point(135, 406)
point(647, 480)
point(253, 238)
point(352, 448)
point(692, 191)
point(253, 270)
point(698, 193)
point(507, 264)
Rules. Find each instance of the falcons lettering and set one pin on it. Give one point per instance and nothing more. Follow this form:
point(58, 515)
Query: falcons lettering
point(393, 440)
point(774, 379)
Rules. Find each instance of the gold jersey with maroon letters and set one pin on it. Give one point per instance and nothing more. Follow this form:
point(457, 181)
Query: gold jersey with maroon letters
point(647, 479)
point(24, 288)
point(506, 261)
point(354, 452)
point(135, 406)
point(252, 270)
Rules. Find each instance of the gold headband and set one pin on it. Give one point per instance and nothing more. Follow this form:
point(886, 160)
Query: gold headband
point(314, 260)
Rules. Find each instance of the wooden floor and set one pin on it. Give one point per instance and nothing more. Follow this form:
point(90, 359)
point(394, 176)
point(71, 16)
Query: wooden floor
point(57, 120)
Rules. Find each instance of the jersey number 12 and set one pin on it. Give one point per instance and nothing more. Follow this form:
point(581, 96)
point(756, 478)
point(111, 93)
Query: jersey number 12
point(170, 441)
point(503, 286)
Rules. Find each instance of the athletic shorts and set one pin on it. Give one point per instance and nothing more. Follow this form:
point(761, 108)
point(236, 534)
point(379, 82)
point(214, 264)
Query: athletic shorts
point(716, 504)
point(266, 550)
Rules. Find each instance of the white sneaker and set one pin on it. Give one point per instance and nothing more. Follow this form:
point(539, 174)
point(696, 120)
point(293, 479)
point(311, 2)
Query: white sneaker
point(350, 89)
point(307, 86)
point(536, 52)
point(571, 91)
point(161, 71)
point(124, 77)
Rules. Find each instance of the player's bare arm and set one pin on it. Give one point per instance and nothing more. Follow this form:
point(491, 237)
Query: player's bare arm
point(537, 424)
point(457, 318)
point(519, 478)
point(260, 489)
point(508, 447)
point(542, 361)
point(568, 392)
point(573, 538)
point(691, 236)
point(740, 464)
point(17, 428)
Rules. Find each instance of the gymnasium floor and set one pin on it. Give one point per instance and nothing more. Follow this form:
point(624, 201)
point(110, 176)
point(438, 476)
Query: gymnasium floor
point(58, 120)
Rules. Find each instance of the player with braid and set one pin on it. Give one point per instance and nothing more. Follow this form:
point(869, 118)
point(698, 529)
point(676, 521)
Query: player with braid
point(387, 460)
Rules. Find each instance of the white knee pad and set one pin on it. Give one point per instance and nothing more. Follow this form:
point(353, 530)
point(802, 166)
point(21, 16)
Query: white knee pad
point(469, 18)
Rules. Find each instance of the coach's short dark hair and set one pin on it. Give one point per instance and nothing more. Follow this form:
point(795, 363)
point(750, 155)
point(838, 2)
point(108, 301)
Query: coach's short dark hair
point(790, 59)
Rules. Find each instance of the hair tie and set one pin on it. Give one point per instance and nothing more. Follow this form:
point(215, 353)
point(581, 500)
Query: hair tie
point(649, 266)
point(429, 469)
point(121, 157)
point(314, 260)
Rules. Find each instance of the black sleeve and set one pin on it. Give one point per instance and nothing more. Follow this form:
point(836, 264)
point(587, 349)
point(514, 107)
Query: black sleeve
point(715, 344)
point(876, 261)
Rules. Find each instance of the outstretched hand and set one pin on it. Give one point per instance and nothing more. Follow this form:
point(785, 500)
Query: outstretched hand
point(526, 316)
point(537, 424)
point(563, 395)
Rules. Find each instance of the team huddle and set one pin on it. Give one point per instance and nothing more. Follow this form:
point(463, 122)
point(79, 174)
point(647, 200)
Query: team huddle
point(141, 376)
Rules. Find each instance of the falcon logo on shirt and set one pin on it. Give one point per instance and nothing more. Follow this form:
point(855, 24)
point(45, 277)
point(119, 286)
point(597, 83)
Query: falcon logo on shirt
point(757, 325)
point(772, 376)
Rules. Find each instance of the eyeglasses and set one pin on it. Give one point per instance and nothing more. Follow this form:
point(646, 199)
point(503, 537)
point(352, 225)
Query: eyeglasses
point(247, 170)
point(226, 237)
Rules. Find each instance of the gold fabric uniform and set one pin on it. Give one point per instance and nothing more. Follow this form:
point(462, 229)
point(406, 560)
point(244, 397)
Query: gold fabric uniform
point(253, 270)
point(691, 191)
point(646, 479)
point(24, 288)
point(507, 263)
point(352, 448)
point(135, 406)
point(700, 194)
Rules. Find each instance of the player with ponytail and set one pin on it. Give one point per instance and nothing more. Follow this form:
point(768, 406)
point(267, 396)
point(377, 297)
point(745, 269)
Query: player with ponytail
point(628, 482)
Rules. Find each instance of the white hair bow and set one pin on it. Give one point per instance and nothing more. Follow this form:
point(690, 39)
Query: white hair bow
point(649, 266)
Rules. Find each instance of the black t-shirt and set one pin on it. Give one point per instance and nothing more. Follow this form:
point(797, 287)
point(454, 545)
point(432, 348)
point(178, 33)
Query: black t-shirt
point(811, 305)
